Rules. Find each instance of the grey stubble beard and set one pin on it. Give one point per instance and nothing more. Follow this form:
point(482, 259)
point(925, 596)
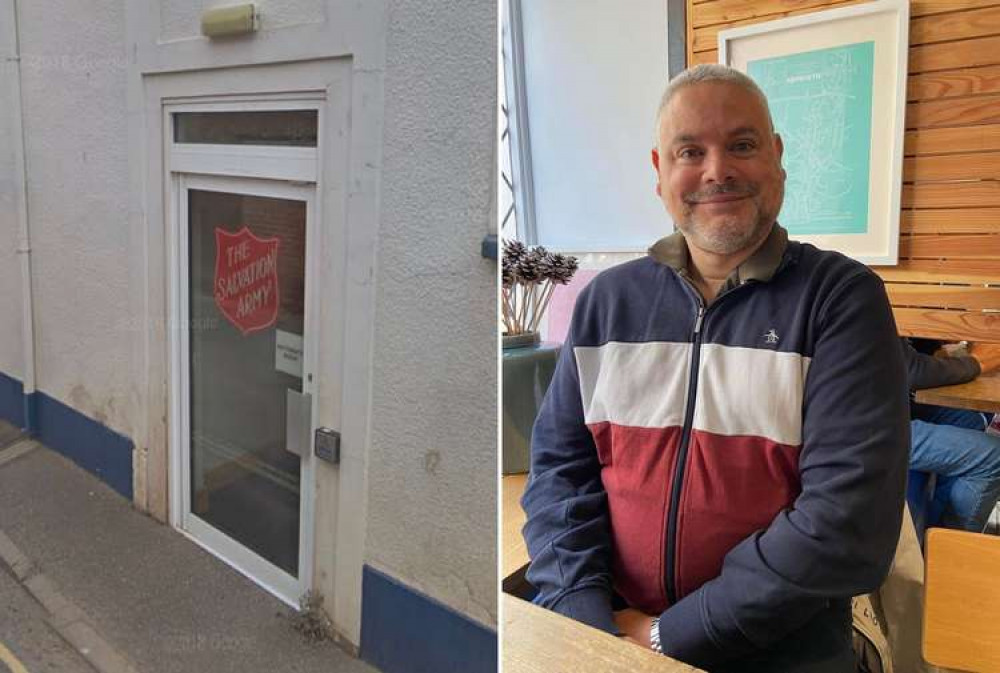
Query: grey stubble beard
point(729, 238)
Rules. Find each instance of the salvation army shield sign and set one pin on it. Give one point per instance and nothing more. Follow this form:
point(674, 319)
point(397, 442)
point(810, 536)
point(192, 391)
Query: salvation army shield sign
point(246, 279)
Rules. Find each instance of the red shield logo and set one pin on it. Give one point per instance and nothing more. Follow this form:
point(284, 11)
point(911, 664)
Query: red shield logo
point(246, 279)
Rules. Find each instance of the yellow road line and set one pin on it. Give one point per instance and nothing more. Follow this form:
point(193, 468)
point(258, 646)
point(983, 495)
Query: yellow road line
point(12, 662)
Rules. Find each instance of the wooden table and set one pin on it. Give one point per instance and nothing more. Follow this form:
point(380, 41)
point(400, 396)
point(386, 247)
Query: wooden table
point(536, 640)
point(514, 554)
point(980, 394)
point(540, 641)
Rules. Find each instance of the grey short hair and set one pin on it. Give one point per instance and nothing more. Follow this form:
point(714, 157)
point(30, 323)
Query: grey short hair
point(704, 73)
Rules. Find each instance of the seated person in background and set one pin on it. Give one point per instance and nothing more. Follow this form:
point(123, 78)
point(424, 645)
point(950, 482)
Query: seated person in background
point(951, 443)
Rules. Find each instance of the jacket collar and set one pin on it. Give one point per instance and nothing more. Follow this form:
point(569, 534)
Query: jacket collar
point(760, 266)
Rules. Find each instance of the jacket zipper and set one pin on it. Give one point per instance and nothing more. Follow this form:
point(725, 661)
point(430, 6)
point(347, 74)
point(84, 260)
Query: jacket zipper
point(675, 494)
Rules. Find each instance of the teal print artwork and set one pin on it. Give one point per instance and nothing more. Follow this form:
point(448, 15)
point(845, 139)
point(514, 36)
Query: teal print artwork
point(821, 102)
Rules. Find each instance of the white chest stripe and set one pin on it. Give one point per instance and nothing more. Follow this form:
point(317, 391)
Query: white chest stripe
point(749, 391)
point(635, 384)
point(741, 391)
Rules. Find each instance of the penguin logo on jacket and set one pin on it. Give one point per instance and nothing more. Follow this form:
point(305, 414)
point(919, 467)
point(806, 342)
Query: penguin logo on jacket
point(771, 336)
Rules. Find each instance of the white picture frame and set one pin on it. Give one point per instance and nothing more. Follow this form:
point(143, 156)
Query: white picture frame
point(825, 74)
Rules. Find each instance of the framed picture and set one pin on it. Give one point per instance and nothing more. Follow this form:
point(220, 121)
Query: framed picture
point(836, 84)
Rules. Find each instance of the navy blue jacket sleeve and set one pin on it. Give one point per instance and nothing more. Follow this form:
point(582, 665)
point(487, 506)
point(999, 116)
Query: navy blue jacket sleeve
point(927, 371)
point(839, 537)
point(567, 529)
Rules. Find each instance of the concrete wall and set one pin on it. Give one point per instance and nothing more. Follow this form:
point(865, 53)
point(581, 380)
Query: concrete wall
point(431, 487)
point(73, 78)
point(11, 353)
point(11, 356)
point(432, 467)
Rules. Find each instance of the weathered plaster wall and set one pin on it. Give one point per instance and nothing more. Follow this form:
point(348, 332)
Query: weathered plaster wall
point(432, 468)
point(431, 490)
point(182, 18)
point(73, 75)
point(11, 355)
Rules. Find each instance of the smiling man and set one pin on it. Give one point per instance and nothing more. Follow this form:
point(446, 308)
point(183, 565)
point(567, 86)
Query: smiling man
point(719, 463)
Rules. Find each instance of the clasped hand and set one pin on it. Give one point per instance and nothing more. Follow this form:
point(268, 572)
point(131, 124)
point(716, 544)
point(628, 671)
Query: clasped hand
point(634, 626)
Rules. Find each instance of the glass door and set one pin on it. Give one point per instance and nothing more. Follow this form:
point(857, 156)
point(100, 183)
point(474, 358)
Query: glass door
point(245, 367)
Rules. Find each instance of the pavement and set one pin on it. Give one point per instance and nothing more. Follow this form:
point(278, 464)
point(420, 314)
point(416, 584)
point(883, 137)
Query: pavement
point(88, 583)
point(26, 637)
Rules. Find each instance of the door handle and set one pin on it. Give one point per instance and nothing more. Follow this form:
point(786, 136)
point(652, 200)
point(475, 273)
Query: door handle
point(298, 422)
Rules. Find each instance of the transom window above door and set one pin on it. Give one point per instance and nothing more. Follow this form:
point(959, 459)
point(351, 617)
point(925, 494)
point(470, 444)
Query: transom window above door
point(291, 128)
point(252, 139)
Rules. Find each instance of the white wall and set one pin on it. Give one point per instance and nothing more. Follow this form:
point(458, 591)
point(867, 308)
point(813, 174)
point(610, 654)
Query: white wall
point(11, 355)
point(431, 487)
point(73, 78)
point(432, 467)
point(594, 73)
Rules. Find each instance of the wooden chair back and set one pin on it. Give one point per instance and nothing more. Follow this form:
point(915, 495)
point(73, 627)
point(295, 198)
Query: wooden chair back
point(962, 600)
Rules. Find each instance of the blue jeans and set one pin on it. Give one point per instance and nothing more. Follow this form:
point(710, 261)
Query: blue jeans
point(952, 444)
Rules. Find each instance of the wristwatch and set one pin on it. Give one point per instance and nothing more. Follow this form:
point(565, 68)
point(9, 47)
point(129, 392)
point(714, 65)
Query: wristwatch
point(654, 636)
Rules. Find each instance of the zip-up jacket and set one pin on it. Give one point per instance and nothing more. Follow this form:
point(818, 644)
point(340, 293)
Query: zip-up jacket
point(734, 468)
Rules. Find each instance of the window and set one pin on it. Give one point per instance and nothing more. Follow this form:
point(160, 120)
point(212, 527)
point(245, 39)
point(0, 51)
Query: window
point(294, 128)
point(582, 84)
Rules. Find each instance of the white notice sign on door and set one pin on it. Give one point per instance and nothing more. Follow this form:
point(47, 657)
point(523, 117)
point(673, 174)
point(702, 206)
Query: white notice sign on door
point(288, 353)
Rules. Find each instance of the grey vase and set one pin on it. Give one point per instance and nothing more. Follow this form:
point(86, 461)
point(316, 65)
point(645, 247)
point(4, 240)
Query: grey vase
point(527, 370)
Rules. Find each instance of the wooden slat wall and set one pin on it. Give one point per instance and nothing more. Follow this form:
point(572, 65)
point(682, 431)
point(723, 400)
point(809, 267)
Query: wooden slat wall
point(947, 283)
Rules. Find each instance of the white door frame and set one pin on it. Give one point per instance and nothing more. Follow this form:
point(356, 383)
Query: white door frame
point(295, 173)
point(349, 92)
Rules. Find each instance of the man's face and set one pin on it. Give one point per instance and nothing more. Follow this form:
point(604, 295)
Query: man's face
point(719, 167)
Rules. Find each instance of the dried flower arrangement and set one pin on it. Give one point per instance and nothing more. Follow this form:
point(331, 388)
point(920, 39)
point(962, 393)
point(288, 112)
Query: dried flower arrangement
point(530, 276)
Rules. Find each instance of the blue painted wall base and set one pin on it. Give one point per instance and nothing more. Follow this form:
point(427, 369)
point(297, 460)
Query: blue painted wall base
point(404, 631)
point(91, 445)
point(11, 400)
